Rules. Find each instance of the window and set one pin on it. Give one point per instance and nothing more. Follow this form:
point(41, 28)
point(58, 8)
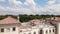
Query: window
point(41, 32)
point(29, 33)
point(53, 30)
point(14, 28)
point(2, 29)
point(8, 29)
point(34, 32)
point(46, 31)
point(50, 31)
point(20, 30)
point(24, 33)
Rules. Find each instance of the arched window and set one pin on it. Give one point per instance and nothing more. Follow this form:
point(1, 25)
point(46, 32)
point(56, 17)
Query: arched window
point(29, 33)
point(41, 31)
point(20, 30)
point(49, 31)
point(53, 30)
point(34, 32)
point(46, 31)
point(14, 28)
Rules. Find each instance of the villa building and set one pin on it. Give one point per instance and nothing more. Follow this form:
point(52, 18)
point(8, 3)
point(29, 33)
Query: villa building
point(10, 25)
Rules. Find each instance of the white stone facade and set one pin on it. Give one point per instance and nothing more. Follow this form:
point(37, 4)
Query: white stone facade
point(36, 29)
point(8, 29)
point(15, 28)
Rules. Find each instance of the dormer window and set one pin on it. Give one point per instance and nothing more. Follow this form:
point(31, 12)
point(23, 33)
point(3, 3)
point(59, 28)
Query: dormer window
point(50, 31)
point(53, 30)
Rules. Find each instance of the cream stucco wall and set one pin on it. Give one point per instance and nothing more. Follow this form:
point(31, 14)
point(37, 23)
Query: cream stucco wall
point(26, 31)
point(48, 30)
point(58, 28)
point(35, 29)
point(9, 32)
point(32, 30)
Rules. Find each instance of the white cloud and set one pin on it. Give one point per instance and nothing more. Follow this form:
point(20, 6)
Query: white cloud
point(51, 1)
point(20, 10)
point(2, 8)
point(9, 9)
point(15, 2)
point(2, 0)
point(30, 2)
point(52, 7)
point(16, 10)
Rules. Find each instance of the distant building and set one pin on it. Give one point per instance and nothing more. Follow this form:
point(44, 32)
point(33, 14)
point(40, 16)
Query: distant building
point(34, 21)
point(10, 25)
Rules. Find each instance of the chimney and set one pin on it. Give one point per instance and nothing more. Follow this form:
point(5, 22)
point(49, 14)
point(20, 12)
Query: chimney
point(18, 18)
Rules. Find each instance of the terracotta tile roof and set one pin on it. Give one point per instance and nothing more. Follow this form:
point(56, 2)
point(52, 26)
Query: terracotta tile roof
point(54, 18)
point(35, 21)
point(49, 24)
point(57, 19)
point(47, 18)
point(9, 20)
point(25, 27)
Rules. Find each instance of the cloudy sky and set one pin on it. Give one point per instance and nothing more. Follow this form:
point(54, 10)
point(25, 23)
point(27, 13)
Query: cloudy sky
point(16, 7)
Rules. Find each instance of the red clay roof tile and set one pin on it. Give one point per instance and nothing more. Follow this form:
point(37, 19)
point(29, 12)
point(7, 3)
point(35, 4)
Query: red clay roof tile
point(9, 20)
